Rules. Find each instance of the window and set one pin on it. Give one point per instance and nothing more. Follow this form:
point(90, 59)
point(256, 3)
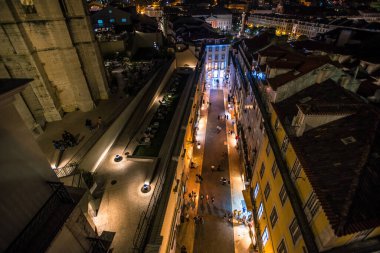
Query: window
point(256, 191)
point(312, 206)
point(283, 195)
point(284, 145)
point(276, 124)
point(210, 49)
point(262, 170)
point(216, 57)
point(223, 48)
point(209, 57)
point(265, 236)
point(273, 217)
point(296, 169)
point(267, 150)
point(215, 65)
point(295, 231)
point(112, 20)
point(217, 49)
point(123, 20)
point(260, 211)
point(281, 247)
point(267, 191)
point(223, 56)
point(222, 65)
point(274, 169)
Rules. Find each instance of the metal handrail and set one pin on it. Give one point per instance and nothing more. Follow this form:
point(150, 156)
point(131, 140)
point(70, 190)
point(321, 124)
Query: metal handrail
point(60, 195)
point(146, 217)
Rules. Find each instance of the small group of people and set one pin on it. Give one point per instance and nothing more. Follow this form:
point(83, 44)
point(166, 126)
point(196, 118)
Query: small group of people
point(68, 140)
point(207, 198)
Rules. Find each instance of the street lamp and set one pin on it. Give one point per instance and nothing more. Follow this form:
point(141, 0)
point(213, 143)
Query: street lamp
point(118, 158)
point(146, 187)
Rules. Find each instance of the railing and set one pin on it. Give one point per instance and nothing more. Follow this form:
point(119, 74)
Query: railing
point(140, 237)
point(59, 196)
point(74, 162)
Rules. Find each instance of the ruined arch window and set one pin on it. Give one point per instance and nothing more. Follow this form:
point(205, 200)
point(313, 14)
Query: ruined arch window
point(28, 6)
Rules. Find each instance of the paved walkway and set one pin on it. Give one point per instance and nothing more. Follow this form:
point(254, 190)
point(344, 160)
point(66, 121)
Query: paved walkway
point(216, 234)
point(74, 122)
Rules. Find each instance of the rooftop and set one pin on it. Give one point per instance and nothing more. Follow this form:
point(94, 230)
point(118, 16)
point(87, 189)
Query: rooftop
point(308, 64)
point(339, 158)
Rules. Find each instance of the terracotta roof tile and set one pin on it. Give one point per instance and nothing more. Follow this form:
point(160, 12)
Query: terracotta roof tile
point(340, 158)
point(309, 64)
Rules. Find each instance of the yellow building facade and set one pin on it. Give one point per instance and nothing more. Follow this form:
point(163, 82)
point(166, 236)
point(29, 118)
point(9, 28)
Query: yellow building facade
point(277, 225)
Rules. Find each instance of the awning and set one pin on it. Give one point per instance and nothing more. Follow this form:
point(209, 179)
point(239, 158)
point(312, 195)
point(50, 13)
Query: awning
point(247, 199)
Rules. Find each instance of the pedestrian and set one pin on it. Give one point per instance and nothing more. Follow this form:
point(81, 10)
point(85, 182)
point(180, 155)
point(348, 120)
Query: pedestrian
point(202, 197)
point(201, 220)
point(207, 198)
point(227, 116)
point(187, 217)
point(235, 212)
point(99, 122)
point(218, 117)
point(239, 213)
point(183, 249)
point(212, 199)
point(196, 219)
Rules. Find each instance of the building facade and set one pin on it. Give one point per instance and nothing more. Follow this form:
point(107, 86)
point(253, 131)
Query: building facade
point(38, 213)
point(216, 62)
point(289, 108)
point(52, 43)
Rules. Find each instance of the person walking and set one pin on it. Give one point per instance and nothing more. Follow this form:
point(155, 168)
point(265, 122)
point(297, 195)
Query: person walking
point(212, 199)
point(207, 198)
point(202, 197)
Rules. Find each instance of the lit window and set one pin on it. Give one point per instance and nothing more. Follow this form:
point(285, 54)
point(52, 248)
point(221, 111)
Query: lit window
point(124, 20)
point(265, 236)
point(100, 21)
point(256, 190)
point(112, 20)
point(260, 211)
point(222, 65)
point(215, 65)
